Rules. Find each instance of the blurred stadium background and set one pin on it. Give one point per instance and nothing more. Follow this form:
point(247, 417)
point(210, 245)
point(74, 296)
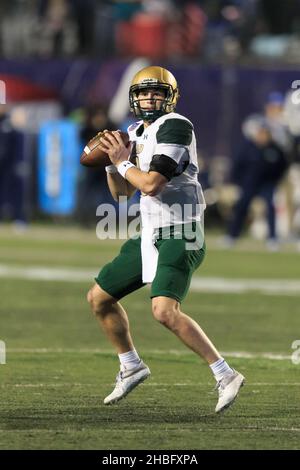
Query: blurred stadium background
point(65, 68)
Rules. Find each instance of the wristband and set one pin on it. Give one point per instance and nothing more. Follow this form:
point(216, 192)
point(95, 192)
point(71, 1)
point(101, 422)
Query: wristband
point(111, 169)
point(124, 166)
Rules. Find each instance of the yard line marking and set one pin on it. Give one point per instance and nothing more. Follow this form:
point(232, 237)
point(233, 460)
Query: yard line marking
point(204, 384)
point(175, 352)
point(206, 429)
point(198, 284)
point(256, 428)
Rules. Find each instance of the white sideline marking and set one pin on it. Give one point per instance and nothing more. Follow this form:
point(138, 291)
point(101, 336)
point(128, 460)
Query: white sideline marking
point(46, 273)
point(265, 286)
point(175, 352)
point(148, 384)
point(203, 284)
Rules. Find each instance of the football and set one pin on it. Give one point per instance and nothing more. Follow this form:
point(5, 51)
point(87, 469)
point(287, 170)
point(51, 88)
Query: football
point(93, 155)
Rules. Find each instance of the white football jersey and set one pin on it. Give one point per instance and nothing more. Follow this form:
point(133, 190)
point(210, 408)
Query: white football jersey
point(181, 201)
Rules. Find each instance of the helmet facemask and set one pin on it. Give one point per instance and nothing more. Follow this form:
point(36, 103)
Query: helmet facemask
point(150, 115)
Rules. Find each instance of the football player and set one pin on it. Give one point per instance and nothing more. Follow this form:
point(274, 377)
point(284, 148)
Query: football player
point(171, 245)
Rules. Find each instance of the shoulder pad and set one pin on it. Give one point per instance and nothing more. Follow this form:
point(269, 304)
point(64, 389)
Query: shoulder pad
point(175, 131)
point(134, 126)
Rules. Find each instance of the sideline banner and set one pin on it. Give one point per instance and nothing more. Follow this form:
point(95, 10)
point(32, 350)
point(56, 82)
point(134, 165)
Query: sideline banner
point(58, 166)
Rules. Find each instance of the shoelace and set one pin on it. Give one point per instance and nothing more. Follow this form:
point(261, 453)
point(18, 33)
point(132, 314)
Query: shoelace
point(221, 385)
point(218, 385)
point(119, 377)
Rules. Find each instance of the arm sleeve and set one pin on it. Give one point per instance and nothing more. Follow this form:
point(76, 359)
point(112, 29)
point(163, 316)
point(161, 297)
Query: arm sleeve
point(164, 165)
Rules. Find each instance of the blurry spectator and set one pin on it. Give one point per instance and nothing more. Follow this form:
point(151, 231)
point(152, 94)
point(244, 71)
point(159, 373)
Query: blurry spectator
point(159, 7)
point(277, 29)
point(125, 10)
point(83, 12)
point(257, 169)
point(105, 18)
point(92, 187)
point(274, 113)
point(276, 122)
point(186, 31)
point(281, 135)
point(160, 30)
point(142, 34)
point(11, 181)
point(220, 29)
point(280, 17)
point(58, 34)
point(226, 22)
point(19, 26)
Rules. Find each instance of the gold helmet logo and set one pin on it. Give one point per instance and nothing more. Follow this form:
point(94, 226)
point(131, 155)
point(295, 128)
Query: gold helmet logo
point(154, 77)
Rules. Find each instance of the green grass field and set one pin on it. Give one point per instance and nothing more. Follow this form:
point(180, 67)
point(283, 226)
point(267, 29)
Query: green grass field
point(59, 366)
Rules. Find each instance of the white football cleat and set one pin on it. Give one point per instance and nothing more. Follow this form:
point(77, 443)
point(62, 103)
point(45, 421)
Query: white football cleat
point(127, 381)
point(228, 389)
